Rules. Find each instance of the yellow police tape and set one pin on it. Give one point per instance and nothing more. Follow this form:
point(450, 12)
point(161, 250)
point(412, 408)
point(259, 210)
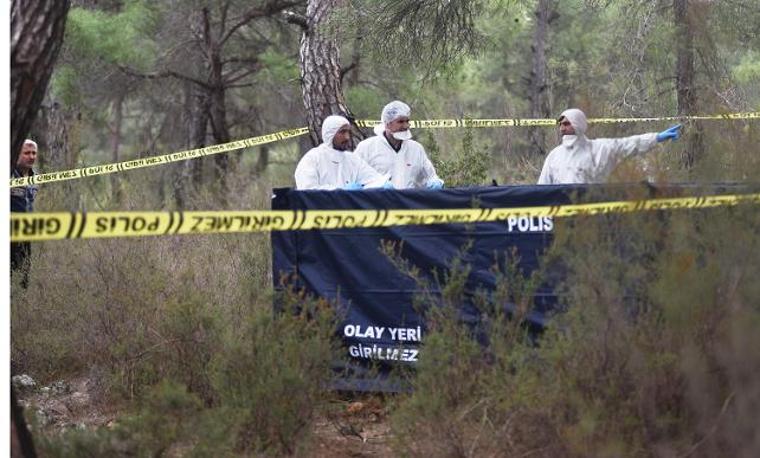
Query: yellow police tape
point(56, 226)
point(518, 122)
point(285, 134)
point(157, 160)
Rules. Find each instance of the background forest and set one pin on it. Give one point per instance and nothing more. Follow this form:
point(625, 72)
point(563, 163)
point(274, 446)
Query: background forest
point(174, 336)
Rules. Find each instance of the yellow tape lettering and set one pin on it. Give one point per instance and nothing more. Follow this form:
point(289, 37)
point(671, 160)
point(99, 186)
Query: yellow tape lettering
point(132, 164)
point(125, 224)
point(35, 226)
point(221, 223)
point(265, 222)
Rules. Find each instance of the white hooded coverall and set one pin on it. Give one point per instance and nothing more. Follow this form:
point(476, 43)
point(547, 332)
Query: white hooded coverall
point(581, 160)
point(407, 168)
point(325, 167)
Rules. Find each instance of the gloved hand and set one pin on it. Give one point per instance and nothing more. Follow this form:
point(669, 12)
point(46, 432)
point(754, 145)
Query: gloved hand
point(672, 133)
point(388, 185)
point(434, 183)
point(353, 186)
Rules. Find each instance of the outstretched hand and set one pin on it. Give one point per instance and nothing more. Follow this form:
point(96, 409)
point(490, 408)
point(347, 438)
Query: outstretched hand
point(672, 133)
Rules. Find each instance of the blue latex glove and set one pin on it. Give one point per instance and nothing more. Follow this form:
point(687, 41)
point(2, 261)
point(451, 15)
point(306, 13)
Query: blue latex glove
point(353, 186)
point(672, 133)
point(388, 185)
point(434, 183)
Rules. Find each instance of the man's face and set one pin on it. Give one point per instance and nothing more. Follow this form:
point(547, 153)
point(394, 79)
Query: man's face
point(342, 139)
point(27, 157)
point(398, 125)
point(565, 128)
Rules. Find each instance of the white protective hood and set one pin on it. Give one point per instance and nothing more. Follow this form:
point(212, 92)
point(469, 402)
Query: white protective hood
point(330, 126)
point(393, 110)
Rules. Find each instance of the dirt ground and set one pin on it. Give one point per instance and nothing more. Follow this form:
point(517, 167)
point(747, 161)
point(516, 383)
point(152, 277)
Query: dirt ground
point(360, 429)
point(69, 404)
point(357, 427)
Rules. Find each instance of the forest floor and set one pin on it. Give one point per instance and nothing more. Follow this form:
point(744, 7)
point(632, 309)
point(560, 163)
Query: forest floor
point(356, 427)
point(360, 429)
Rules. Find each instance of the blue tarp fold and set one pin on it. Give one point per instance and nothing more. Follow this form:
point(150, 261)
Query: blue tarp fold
point(380, 326)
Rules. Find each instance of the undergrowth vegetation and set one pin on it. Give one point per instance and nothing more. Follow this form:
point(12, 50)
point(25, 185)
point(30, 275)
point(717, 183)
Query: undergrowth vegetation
point(656, 354)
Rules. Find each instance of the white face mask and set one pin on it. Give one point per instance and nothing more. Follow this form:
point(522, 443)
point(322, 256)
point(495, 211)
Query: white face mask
point(403, 135)
point(569, 140)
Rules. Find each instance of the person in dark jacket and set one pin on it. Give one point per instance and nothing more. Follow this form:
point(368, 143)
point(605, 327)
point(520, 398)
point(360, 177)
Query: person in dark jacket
point(22, 201)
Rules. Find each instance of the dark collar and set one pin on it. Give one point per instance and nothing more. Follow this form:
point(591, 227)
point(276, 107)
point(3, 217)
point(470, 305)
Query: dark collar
point(401, 142)
point(16, 174)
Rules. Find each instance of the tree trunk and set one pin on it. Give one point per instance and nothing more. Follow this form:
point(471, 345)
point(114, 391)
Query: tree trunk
point(189, 175)
point(262, 162)
point(198, 133)
point(685, 76)
point(356, 60)
point(36, 34)
point(220, 132)
point(217, 108)
point(57, 134)
point(320, 67)
point(118, 116)
point(537, 83)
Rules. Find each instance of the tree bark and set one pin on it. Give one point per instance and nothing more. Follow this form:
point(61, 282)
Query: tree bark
point(262, 161)
point(217, 101)
point(685, 76)
point(356, 59)
point(56, 132)
point(320, 68)
point(539, 108)
point(189, 174)
point(36, 34)
point(198, 132)
point(118, 116)
point(220, 132)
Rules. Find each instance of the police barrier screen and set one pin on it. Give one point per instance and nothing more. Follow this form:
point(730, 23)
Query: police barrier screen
point(381, 328)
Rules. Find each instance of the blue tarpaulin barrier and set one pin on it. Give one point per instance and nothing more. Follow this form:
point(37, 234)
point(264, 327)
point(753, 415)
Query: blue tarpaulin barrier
point(380, 327)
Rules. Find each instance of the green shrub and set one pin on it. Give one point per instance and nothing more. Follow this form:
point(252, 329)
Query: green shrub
point(469, 165)
point(654, 355)
point(460, 404)
point(170, 421)
point(271, 378)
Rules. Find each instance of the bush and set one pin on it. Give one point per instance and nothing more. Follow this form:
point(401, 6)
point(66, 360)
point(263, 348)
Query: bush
point(175, 324)
point(467, 166)
point(272, 378)
point(460, 405)
point(654, 356)
point(266, 381)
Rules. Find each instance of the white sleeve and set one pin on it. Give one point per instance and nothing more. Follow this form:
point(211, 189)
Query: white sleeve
point(366, 175)
point(428, 169)
point(617, 149)
point(307, 175)
point(362, 150)
point(546, 174)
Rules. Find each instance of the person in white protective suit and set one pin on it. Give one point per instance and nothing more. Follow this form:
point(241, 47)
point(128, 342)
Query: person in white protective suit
point(393, 153)
point(582, 160)
point(332, 166)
